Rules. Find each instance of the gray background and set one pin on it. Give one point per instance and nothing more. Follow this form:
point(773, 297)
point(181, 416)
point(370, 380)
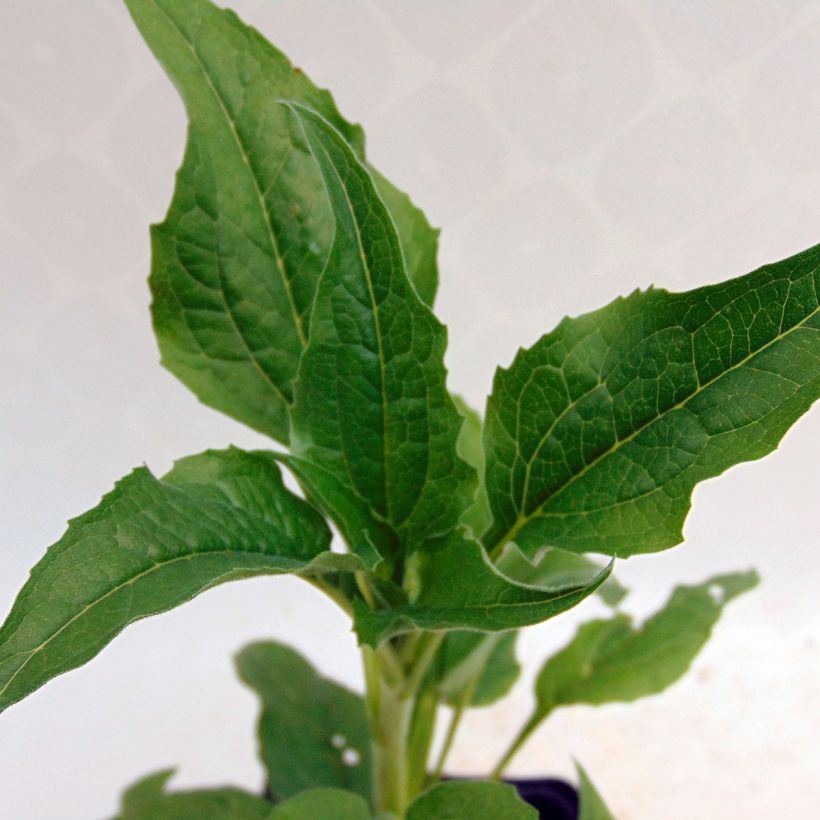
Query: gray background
point(572, 151)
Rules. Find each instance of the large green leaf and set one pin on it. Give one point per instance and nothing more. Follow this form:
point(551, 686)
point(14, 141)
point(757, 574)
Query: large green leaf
point(148, 800)
point(323, 804)
point(312, 732)
point(454, 585)
point(372, 412)
point(238, 257)
point(597, 435)
point(149, 546)
point(592, 806)
point(471, 801)
point(612, 660)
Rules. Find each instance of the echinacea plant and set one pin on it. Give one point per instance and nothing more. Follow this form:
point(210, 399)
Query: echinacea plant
point(293, 288)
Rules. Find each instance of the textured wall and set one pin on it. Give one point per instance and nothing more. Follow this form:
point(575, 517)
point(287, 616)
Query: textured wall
point(572, 151)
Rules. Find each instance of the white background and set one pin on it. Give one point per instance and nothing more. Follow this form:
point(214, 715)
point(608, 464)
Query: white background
point(572, 151)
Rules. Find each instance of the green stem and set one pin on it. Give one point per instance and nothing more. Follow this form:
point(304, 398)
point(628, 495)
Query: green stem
point(458, 713)
point(521, 738)
point(422, 725)
point(426, 649)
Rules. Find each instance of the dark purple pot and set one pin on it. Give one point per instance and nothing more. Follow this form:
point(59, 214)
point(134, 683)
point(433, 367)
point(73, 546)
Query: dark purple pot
point(554, 799)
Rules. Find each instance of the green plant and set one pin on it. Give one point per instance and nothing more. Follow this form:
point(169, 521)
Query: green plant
point(293, 289)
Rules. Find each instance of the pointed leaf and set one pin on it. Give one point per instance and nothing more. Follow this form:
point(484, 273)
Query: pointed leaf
point(453, 585)
point(147, 800)
point(470, 801)
point(323, 804)
point(592, 806)
point(151, 545)
point(611, 660)
point(312, 732)
point(371, 409)
point(237, 259)
point(597, 435)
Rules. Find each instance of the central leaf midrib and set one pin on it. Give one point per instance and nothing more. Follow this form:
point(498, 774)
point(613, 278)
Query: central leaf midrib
point(522, 521)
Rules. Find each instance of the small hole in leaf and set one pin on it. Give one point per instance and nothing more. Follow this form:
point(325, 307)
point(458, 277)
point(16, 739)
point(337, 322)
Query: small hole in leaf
point(716, 592)
point(339, 741)
point(351, 757)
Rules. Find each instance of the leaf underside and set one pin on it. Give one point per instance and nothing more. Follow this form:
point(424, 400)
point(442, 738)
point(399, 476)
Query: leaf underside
point(597, 435)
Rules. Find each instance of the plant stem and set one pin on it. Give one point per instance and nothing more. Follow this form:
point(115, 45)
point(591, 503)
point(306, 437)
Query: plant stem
point(426, 649)
point(521, 738)
point(422, 725)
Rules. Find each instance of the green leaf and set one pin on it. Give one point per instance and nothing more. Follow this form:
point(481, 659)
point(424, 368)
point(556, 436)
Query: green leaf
point(597, 435)
point(592, 806)
point(372, 412)
point(323, 804)
point(470, 801)
point(558, 568)
point(312, 732)
point(147, 800)
point(486, 664)
point(477, 517)
point(453, 585)
point(612, 660)
point(151, 545)
point(237, 259)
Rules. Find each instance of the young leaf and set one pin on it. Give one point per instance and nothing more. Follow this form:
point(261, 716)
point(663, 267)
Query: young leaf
point(151, 545)
point(470, 801)
point(453, 585)
point(611, 660)
point(312, 732)
point(592, 806)
point(148, 799)
point(323, 804)
point(597, 435)
point(237, 259)
point(371, 406)
point(477, 517)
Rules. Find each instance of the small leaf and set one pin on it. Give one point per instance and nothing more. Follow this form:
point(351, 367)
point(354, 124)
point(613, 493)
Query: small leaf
point(323, 804)
point(597, 435)
point(471, 801)
point(312, 732)
point(592, 806)
point(371, 409)
point(151, 545)
point(147, 800)
point(477, 517)
point(237, 259)
point(611, 660)
point(455, 586)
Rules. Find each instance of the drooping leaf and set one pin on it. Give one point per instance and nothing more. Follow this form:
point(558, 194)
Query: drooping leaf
point(597, 435)
point(558, 568)
point(612, 660)
point(485, 663)
point(151, 545)
point(148, 800)
point(470, 801)
point(323, 804)
point(237, 259)
point(312, 732)
point(477, 517)
point(592, 806)
point(371, 409)
point(454, 585)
